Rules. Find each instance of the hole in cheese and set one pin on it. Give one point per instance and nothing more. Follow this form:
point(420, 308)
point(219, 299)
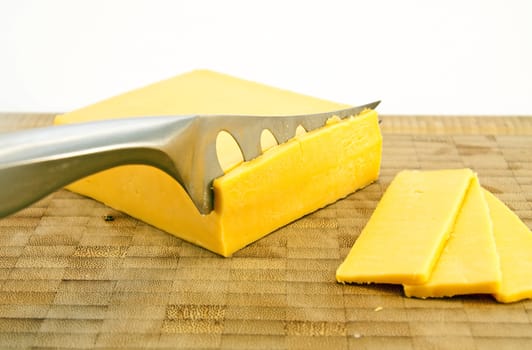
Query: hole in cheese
point(267, 140)
point(228, 151)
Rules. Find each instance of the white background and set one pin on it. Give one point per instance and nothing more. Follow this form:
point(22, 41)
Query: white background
point(420, 57)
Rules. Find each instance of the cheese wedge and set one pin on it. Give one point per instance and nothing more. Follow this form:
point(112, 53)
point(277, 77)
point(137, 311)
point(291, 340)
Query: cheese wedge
point(254, 198)
point(407, 231)
point(513, 240)
point(469, 263)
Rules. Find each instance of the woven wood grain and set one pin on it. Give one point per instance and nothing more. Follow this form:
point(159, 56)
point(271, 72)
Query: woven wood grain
point(71, 279)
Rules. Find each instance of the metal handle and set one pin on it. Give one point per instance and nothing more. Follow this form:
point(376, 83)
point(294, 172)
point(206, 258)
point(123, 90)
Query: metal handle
point(36, 162)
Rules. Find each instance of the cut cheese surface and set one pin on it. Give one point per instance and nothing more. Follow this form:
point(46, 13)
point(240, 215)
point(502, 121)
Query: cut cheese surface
point(513, 240)
point(254, 198)
point(407, 231)
point(469, 263)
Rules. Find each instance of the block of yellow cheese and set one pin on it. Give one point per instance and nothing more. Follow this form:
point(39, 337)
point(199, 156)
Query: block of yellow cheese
point(513, 240)
point(469, 263)
point(404, 236)
point(254, 198)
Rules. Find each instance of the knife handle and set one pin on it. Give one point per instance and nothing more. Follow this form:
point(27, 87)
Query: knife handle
point(36, 162)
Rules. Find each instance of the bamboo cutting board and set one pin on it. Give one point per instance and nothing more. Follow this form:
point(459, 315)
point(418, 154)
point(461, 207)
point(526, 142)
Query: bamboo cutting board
point(71, 278)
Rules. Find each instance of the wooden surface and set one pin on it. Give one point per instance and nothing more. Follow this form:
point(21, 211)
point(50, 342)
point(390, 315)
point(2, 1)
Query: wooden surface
point(71, 279)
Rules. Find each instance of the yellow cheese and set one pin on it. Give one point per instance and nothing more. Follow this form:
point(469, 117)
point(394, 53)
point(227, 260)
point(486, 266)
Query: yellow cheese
point(408, 229)
point(254, 198)
point(513, 240)
point(469, 263)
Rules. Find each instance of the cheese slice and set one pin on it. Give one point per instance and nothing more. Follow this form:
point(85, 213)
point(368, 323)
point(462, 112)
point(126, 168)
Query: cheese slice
point(254, 198)
point(469, 263)
point(513, 240)
point(407, 231)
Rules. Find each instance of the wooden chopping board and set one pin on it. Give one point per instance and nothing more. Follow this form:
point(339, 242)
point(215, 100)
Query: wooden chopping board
point(69, 278)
